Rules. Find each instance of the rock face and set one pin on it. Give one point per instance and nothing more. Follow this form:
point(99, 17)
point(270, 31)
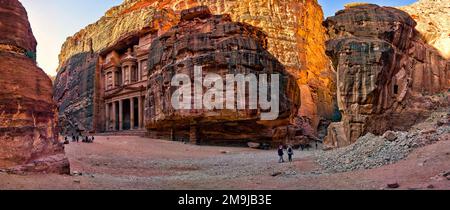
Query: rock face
point(74, 93)
point(221, 47)
point(295, 38)
point(387, 76)
point(77, 86)
point(28, 136)
point(433, 22)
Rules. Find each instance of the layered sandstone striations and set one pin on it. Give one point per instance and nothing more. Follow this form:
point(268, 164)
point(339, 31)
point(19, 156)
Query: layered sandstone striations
point(295, 38)
point(74, 89)
point(387, 76)
point(433, 22)
point(28, 136)
point(221, 47)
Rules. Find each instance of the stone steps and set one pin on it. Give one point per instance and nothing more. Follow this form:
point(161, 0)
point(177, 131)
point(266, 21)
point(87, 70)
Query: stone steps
point(140, 133)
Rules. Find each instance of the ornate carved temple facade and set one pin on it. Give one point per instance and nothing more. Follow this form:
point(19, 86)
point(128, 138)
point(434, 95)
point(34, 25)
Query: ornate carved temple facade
point(123, 69)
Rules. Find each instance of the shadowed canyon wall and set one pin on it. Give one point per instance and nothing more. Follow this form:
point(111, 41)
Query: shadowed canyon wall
point(28, 135)
point(295, 37)
point(388, 77)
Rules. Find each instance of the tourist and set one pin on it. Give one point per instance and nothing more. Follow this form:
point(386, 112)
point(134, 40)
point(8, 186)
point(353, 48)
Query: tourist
point(281, 154)
point(290, 153)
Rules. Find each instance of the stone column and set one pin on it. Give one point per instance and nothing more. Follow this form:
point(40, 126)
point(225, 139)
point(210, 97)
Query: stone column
point(140, 112)
point(107, 117)
point(123, 75)
point(143, 112)
point(131, 113)
point(106, 81)
point(172, 134)
point(114, 78)
point(130, 72)
point(121, 115)
point(114, 120)
point(139, 67)
point(193, 135)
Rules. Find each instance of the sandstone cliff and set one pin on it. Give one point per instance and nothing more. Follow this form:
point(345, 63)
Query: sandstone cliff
point(388, 77)
point(221, 47)
point(28, 136)
point(295, 37)
point(433, 22)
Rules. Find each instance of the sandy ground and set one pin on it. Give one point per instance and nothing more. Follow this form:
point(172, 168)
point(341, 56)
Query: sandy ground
point(140, 163)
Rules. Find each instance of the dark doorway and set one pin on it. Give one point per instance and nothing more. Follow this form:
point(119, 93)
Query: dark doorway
point(116, 114)
point(136, 112)
point(126, 115)
point(118, 81)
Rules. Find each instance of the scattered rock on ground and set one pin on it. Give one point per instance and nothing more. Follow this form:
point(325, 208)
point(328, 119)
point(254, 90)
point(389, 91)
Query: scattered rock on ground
point(371, 151)
point(390, 136)
point(276, 174)
point(393, 185)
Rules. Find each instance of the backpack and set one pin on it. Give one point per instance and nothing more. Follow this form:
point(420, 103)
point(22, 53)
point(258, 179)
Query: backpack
point(290, 152)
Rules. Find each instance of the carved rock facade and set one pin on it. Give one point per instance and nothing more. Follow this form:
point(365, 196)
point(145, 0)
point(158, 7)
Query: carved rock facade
point(295, 37)
point(220, 47)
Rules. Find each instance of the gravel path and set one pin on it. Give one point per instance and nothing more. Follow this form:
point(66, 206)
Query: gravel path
point(140, 163)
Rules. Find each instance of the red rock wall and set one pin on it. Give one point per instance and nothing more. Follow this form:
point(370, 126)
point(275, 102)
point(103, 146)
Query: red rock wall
point(388, 77)
point(222, 47)
point(295, 37)
point(28, 136)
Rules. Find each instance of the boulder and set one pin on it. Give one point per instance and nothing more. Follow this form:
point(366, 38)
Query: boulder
point(390, 136)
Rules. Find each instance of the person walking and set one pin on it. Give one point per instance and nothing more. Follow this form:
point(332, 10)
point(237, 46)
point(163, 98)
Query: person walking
point(281, 154)
point(290, 153)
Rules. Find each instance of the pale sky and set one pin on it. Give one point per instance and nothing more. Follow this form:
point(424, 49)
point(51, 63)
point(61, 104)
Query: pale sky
point(55, 20)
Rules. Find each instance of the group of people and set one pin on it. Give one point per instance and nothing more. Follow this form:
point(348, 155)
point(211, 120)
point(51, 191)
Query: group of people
point(77, 138)
point(289, 151)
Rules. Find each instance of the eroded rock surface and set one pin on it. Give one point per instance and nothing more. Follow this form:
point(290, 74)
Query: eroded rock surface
point(28, 136)
point(433, 22)
point(295, 38)
point(388, 77)
point(74, 93)
point(221, 47)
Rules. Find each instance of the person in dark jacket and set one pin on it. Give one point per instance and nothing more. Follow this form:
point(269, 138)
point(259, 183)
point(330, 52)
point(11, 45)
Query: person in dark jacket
point(290, 153)
point(281, 154)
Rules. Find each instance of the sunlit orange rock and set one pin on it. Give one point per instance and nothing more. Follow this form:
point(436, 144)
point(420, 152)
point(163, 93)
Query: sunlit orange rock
point(296, 38)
